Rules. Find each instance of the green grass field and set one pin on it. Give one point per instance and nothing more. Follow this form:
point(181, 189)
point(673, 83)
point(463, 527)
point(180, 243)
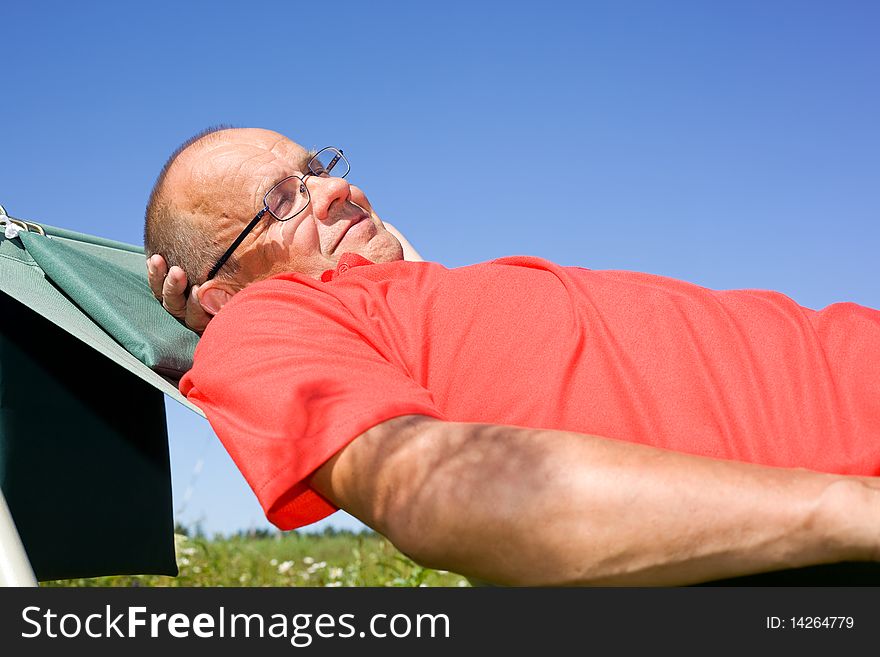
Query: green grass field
point(291, 559)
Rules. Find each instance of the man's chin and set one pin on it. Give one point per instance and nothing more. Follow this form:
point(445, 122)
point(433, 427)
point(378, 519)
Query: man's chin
point(381, 247)
point(387, 249)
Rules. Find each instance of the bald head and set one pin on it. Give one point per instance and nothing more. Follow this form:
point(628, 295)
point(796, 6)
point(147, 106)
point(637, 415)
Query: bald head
point(213, 186)
point(195, 196)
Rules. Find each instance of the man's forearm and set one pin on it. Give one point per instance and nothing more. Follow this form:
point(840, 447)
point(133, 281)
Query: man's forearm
point(523, 506)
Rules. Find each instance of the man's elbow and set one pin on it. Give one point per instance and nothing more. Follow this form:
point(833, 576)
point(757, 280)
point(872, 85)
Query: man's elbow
point(414, 514)
point(392, 478)
point(412, 529)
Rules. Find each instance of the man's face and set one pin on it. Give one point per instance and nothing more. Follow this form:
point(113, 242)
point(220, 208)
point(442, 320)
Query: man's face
point(221, 183)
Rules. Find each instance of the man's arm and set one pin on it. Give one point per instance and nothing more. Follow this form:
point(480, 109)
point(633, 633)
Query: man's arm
point(522, 506)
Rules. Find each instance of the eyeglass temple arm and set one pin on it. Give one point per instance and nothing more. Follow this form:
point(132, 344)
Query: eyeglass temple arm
point(333, 162)
point(235, 244)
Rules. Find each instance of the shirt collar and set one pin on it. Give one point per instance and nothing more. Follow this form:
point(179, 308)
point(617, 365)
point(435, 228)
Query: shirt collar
point(346, 262)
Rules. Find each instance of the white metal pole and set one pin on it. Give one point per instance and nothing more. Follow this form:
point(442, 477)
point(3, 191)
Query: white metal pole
point(15, 569)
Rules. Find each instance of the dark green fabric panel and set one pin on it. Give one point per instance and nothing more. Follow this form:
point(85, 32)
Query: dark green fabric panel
point(23, 280)
point(109, 285)
point(84, 461)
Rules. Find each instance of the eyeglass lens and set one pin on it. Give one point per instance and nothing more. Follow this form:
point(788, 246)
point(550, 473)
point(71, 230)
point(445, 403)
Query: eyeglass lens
point(329, 160)
point(290, 197)
point(287, 199)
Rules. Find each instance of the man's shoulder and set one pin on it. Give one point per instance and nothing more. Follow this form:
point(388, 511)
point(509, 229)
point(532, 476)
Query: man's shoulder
point(268, 305)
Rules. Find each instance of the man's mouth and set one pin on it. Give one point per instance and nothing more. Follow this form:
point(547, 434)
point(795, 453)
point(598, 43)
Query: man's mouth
point(354, 222)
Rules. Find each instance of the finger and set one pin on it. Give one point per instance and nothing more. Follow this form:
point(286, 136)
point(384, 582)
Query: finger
point(156, 271)
point(173, 289)
point(196, 316)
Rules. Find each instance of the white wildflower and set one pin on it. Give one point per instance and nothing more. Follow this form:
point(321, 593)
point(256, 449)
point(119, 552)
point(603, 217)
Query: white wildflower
point(183, 561)
point(197, 569)
point(335, 573)
point(333, 584)
point(244, 577)
point(273, 562)
point(308, 561)
point(284, 566)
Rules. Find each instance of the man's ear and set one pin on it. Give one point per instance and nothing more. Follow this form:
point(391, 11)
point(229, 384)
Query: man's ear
point(213, 295)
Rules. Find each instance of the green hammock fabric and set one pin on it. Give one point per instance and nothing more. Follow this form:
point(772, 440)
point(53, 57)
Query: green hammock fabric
point(84, 462)
point(109, 285)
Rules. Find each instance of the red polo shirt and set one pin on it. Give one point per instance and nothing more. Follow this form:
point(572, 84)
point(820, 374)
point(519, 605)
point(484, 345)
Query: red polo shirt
point(292, 369)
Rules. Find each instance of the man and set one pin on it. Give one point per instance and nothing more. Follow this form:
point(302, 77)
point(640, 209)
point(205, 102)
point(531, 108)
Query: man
point(515, 421)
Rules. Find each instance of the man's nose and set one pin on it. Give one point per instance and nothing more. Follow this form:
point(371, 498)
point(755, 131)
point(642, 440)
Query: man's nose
point(325, 191)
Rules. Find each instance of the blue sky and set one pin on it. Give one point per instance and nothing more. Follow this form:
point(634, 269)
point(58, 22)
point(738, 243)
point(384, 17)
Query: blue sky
point(731, 144)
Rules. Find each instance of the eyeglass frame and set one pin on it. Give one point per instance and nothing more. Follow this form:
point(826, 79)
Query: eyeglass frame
point(247, 229)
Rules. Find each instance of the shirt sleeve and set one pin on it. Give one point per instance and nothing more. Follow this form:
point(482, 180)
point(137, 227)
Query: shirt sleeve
point(287, 379)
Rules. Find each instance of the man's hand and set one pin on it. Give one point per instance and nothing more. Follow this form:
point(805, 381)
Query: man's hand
point(169, 287)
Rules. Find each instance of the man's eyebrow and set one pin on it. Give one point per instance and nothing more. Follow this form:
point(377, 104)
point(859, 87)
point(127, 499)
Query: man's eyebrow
point(302, 166)
point(307, 158)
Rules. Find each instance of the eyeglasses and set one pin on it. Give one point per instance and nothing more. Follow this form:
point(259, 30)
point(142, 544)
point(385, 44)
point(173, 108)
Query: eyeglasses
point(290, 196)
